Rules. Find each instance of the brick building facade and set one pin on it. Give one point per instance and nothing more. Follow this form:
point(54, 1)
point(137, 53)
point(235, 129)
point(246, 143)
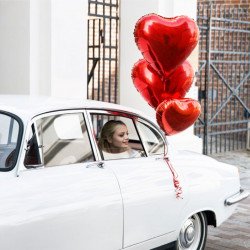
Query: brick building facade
point(229, 2)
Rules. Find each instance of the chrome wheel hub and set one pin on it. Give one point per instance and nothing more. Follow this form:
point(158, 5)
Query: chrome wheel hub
point(187, 234)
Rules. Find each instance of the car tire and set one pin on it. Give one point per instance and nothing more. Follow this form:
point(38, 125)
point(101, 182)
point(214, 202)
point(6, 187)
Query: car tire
point(193, 233)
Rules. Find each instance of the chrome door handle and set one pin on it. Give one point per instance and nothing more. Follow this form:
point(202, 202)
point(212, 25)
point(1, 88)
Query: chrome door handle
point(159, 158)
point(99, 164)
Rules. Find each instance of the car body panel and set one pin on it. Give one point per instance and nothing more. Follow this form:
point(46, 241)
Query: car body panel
point(150, 204)
point(209, 184)
point(125, 204)
point(27, 107)
point(63, 205)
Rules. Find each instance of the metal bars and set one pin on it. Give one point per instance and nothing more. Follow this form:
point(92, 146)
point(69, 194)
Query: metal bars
point(103, 32)
point(223, 77)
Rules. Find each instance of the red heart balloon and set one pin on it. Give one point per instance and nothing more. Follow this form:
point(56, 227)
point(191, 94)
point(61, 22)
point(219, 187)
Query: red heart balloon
point(174, 116)
point(165, 42)
point(147, 82)
point(150, 85)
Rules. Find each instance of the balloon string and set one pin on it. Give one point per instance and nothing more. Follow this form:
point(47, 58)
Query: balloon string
point(178, 188)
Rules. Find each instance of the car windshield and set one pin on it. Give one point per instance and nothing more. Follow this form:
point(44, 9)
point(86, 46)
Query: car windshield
point(9, 132)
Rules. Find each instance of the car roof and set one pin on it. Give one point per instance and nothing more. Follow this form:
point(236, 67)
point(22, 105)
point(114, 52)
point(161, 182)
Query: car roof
point(27, 107)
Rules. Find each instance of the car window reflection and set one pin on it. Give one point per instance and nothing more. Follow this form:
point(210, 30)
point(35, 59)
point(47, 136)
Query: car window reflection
point(9, 131)
point(63, 140)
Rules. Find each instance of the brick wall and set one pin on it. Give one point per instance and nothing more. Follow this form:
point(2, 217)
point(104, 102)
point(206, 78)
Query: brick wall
point(234, 2)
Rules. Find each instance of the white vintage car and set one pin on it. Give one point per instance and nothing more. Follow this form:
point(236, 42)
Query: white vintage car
point(58, 192)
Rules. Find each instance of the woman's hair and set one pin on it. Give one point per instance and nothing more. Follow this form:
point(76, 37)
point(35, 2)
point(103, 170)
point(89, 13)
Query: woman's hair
point(107, 132)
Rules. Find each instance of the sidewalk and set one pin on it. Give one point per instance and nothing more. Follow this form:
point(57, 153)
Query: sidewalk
point(234, 234)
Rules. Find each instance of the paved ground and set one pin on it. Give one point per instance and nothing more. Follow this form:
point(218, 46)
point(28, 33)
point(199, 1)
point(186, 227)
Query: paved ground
point(235, 232)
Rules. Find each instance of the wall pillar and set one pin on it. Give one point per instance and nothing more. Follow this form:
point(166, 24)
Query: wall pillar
point(14, 47)
point(43, 47)
point(58, 45)
point(131, 11)
point(69, 48)
point(40, 47)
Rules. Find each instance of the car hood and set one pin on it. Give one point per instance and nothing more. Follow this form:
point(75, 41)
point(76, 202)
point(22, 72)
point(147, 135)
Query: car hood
point(192, 162)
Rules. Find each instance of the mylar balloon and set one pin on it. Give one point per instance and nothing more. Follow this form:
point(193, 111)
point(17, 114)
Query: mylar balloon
point(178, 83)
point(175, 115)
point(165, 43)
point(154, 89)
point(147, 82)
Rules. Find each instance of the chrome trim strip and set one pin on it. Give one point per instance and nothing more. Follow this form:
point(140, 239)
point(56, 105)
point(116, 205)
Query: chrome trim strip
point(107, 111)
point(27, 130)
point(19, 140)
point(241, 195)
point(159, 131)
point(91, 136)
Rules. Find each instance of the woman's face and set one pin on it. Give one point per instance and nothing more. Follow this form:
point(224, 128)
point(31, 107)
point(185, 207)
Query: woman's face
point(120, 137)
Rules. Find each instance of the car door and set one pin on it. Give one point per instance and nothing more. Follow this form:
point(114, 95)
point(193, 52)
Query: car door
point(149, 199)
point(63, 198)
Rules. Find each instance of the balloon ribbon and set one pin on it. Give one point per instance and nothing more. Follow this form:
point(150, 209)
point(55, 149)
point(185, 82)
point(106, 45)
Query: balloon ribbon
point(178, 188)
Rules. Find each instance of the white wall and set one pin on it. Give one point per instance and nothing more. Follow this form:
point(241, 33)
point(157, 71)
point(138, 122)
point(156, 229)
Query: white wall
point(14, 47)
point(43, 47)
point(131, 11)
point(69, 48)
point(40, 47)
point(58, 57)
point(170, 8)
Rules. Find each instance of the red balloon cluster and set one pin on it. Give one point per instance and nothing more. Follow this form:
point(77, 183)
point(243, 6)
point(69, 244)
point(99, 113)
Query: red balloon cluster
point(164, 76)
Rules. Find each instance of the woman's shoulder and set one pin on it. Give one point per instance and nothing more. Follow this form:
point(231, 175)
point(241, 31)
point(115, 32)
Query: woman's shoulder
point(131, 153)
point(136, 153)
point(109, 156)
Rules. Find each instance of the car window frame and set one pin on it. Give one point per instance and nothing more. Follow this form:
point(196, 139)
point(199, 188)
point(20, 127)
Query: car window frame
point(53, 113)
point(134, 117)
point(152, 126)
point(19, 139)
point(117, 113)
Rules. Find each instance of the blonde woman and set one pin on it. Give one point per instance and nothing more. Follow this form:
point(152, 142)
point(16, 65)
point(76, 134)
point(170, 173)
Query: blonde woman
point(114, 141)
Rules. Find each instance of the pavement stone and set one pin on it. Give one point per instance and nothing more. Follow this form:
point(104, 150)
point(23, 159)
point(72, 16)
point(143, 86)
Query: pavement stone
point(234, 234)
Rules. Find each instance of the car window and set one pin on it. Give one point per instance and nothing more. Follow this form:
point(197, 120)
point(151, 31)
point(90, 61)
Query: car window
point(33, 150)
point(61, 139)
point(116, 137)
point(151, 138)
point(9, 131)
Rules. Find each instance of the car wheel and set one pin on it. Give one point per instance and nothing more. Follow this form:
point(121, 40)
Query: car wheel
point(193, 233)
